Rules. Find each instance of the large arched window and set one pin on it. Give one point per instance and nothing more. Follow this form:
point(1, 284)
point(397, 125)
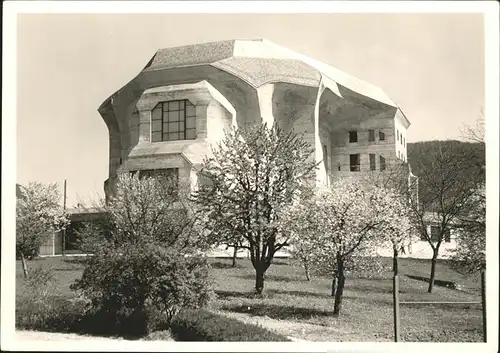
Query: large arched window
point(173, 120)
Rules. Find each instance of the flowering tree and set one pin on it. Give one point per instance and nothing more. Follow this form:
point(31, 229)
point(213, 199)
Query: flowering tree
point(251, 177)
point(399, 188)
point(341, 225)
point(449, 173)
point(152, 208)
point(470, 255)
point(38, 214)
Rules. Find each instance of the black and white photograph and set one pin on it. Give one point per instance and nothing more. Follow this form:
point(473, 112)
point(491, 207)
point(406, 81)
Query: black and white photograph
point(297, 176)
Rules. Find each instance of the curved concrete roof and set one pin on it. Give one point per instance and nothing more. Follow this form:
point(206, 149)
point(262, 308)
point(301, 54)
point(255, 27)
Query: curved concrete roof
point(258, 62)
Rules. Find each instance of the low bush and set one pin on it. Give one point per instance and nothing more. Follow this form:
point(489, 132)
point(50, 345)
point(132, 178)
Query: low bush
point(202, 325)
point(54, 314)
point(138, 288)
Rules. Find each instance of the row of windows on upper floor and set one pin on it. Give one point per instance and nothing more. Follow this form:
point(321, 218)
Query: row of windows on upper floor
point(176, 120)
point(353, 136)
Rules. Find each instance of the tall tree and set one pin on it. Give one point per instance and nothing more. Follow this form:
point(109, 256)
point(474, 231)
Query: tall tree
point(38, 215)
point(251, 177)
point(449, 172)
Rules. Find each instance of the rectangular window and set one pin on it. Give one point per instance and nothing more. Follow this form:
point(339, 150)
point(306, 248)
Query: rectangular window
point(382, 163)
point(401, 138)
point(339, 167)
point(325, 158)
point(404, 142)
point(173, 120)
point(371, 135)
point(353, 136)
point(372, 162)
point(434, 233)
point(397, 135)
point(354, 162)
point(381, 136)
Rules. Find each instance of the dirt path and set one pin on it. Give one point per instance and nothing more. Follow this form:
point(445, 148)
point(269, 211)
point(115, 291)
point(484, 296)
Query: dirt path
point(294, 330)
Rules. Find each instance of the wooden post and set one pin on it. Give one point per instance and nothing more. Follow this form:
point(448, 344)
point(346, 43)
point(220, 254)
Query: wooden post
point(64, 230)
point(483, 302)
point(395, 296)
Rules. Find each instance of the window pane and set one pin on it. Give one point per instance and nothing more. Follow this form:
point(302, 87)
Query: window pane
point(371, 135)
point(156, 137)
point(165, 127)
point(372, 162)
point(173, 116)
point(181, 126)
point(354, 162)
point(173, 127)
point(156, 114)
point(190, 134)
point(156, 126)
point(190, 123)
point(165, 137)
point(173, 105)
point(382, 163)
point(190, 110)
point(353, 136)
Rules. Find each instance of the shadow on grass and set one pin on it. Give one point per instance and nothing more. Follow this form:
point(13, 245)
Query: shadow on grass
point(279, 312)
point(233, 294)
point(274, 278)
point(225, 265)
point(301, 293)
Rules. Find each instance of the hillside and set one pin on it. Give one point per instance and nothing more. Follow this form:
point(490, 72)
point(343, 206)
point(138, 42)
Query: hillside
point(462, 164)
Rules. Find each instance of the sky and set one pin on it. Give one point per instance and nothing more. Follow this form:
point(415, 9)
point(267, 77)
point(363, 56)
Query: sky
point(431, 65)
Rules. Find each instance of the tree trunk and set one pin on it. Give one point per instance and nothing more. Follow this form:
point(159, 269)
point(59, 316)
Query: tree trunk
point(334, 284)
point(259, 280)
point(433, 272)
point(395, 263)
point(306, 268)
point(235, 255)
point(25, 266)
point(340, 288)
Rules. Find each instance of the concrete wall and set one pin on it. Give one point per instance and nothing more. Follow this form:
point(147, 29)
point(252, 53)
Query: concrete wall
point(401, 140)
point(342, 148)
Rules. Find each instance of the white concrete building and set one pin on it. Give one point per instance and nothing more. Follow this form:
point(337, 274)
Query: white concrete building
point(167, 117)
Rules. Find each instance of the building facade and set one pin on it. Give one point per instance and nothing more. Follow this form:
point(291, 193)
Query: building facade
point(170, 115)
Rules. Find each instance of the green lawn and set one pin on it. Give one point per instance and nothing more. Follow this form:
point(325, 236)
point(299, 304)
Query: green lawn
point(367, 308)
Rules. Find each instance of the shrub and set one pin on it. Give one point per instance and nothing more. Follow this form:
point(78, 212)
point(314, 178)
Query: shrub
point(202, 325)
point(54, 313)
point(141, 286)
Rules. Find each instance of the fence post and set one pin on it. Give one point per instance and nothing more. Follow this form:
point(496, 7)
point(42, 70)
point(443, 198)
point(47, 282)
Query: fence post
point(483, 302)
point(395, 296)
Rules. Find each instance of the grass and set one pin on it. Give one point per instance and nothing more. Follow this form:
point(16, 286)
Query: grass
point(291, 300)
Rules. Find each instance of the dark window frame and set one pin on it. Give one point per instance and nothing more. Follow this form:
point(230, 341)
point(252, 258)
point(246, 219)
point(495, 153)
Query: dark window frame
point(182, 130)
point(373, 161)
point(381, 136)
point(382, 165)
point(355, 167)
point(353, 136)
point(371, 135)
